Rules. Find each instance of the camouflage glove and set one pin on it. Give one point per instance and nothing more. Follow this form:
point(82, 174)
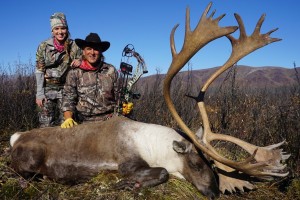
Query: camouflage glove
point(127, 108)
point(68, 123)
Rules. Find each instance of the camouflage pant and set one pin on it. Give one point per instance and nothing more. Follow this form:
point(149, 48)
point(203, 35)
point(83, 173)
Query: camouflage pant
point(50, 114)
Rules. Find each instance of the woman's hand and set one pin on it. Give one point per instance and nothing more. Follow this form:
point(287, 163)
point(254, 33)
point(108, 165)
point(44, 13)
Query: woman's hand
point(75, 63)
point(40, 102)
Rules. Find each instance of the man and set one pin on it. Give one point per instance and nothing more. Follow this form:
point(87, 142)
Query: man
point(90, 90)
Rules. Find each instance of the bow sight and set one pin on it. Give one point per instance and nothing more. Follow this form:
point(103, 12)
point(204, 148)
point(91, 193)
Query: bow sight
point(127, 78)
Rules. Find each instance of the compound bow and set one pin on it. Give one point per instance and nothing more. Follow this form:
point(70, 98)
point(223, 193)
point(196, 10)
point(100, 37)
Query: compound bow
point(128, 79)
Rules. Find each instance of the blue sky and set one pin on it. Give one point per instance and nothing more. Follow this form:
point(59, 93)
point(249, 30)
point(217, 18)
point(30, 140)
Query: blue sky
point(147, 25)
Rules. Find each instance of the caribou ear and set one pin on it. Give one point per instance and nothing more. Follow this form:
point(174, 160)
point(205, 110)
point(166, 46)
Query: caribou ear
point(182, 146)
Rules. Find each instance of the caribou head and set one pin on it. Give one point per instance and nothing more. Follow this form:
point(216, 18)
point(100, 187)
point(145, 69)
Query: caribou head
point(147, 153)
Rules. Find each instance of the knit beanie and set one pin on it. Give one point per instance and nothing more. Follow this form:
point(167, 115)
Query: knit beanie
point(58, 19)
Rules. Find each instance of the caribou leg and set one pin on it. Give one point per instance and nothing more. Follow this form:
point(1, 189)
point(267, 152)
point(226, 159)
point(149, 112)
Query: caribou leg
point(139, 174)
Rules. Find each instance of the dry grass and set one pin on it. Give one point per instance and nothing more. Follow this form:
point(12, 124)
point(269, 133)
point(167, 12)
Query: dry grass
point(261, 117)
point(101, 187)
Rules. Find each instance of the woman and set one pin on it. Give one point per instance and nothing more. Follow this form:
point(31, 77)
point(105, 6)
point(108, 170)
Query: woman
point(54, 57)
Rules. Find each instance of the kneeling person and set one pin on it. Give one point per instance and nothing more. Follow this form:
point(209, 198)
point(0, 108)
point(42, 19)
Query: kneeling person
point(90, 90)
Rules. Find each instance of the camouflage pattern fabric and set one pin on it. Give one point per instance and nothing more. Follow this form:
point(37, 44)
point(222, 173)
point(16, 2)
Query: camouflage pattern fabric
point(55, 66)
point(91, 94)
point(50, 114)
point(53, 63)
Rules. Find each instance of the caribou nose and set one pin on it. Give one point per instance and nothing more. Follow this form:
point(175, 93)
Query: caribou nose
point(212, 195)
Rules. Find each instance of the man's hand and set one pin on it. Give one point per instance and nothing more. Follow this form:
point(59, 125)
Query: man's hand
point(127, 108)
point(68, 123)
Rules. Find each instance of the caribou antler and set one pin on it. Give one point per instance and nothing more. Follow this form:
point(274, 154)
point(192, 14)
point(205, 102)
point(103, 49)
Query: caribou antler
point(264, 162)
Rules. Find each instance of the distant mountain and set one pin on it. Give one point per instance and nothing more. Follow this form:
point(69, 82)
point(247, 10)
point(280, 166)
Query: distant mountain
point(256, 77)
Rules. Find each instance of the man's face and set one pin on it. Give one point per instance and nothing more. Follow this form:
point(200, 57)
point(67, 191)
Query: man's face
point(91, 54)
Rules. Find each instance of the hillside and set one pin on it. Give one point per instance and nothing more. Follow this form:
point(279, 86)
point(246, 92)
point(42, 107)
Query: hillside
point(256, 77)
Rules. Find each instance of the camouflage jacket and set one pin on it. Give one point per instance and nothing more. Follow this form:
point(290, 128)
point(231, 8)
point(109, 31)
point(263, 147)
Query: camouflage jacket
point(53, 63)
point(52, 66)
point(91, 92)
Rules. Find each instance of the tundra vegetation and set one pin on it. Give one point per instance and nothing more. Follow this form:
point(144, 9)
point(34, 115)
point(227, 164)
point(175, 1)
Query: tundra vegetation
point(258, 115)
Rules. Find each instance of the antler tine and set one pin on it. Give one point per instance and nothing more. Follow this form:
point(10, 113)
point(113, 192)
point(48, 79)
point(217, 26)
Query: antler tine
point(259, 24)
point(172, 41)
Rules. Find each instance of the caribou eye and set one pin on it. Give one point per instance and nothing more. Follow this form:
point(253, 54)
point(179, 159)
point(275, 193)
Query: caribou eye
point(195, 161)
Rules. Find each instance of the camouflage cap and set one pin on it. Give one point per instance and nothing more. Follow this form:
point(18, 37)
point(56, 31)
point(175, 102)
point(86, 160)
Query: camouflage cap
point(58, 19)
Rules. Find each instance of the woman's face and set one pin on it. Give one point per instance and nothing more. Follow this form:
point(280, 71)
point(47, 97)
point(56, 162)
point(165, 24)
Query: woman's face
point(92, 55)
point(60, 33)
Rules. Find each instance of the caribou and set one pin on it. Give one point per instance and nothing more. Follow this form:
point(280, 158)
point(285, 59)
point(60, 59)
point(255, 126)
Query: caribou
point(146, 154)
